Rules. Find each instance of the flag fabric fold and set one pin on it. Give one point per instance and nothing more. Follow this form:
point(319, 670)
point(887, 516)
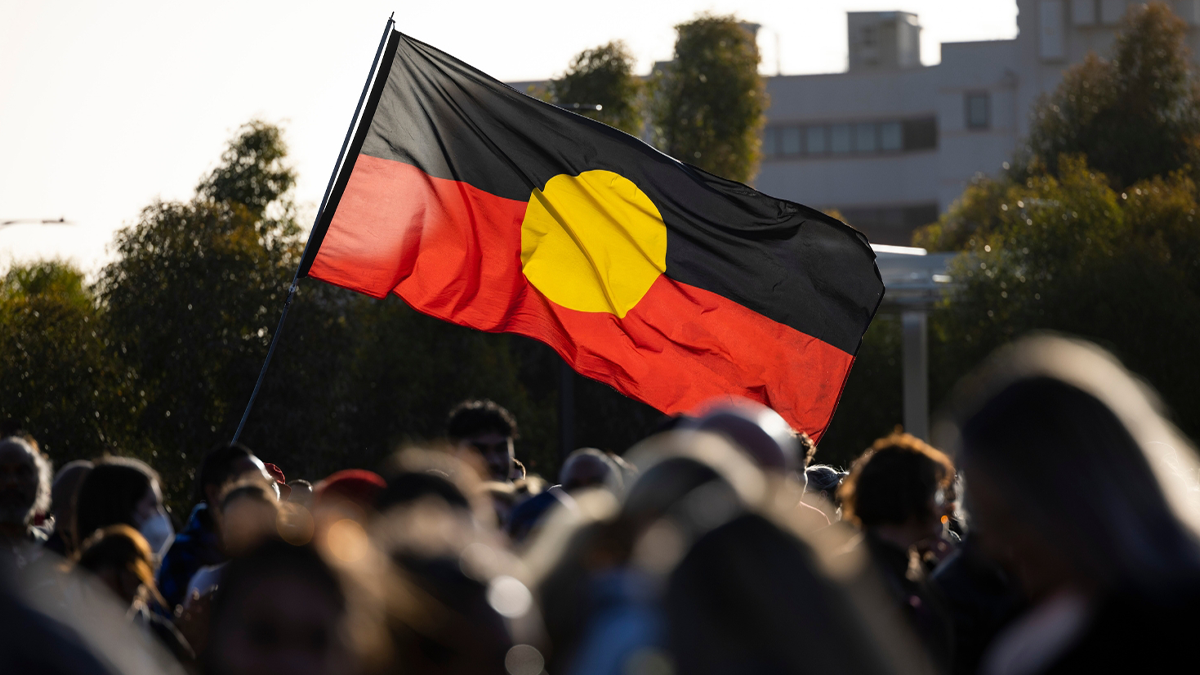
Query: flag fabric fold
point(485, 207)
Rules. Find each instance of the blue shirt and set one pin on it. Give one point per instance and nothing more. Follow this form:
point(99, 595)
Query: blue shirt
point(192, 549)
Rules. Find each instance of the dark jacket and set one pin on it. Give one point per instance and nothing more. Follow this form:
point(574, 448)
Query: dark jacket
point(192, 549)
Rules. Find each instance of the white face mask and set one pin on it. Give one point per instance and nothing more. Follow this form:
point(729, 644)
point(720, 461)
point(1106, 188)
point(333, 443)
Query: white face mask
point(158, 533)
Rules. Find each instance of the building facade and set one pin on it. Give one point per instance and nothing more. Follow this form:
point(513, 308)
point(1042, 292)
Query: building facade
point(891, 143)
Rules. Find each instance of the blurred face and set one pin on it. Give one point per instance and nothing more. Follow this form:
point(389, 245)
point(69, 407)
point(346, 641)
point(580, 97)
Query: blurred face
point(18, 484)
point(1013, 541)
point(150, 504)
point(241, 467)
point(283, 624)
point(496, 451)
point(584, 472)
point(244, 523)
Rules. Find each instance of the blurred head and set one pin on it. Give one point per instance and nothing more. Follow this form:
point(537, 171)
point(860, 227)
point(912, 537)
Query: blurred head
point(282, 489)
point(279, 609)
point(1111, 502)
point(354, 486)
point(823, 481)
point(120, 557)
point(65, 487)
point(222, 465)
point(757, 430)
point(488, 430)
point(300, 492)
point(248, 514)
point(24, 483)
point(900, 481)
point(125, 491)
point(589, 468)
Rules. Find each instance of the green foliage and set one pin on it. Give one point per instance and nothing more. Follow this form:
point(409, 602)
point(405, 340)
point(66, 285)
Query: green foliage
point(604, 76)
point(1134, 117)
point(409, 369)
point(253, 171)
point(1066, 252)
point(64, 381)
point(193, 298)
point(709, 103)
point(871, 404)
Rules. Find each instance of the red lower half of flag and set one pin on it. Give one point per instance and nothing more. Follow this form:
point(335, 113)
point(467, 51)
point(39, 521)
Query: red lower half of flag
point(453, 251)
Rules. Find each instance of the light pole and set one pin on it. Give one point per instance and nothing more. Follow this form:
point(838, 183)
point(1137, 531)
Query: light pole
point(35, 221)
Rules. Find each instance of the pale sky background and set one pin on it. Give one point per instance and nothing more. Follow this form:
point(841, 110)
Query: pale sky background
point(106, 106)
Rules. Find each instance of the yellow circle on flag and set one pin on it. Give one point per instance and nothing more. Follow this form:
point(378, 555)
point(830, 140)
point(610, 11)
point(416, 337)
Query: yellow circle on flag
point(593, 242)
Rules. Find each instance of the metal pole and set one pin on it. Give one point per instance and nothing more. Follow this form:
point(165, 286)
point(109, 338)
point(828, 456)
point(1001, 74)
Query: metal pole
point(916, 372)
point(566, 409)
point(287, 303)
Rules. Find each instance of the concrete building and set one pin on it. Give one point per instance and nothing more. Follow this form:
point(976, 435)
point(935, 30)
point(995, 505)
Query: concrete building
point(891, 143)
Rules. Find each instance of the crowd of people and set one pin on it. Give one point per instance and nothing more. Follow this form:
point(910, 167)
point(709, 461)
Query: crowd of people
point(1057, 530)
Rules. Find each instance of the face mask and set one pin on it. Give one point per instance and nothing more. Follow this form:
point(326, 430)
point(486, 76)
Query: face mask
point(158, 533)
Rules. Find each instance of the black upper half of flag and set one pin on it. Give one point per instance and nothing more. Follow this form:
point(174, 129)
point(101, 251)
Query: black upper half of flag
point(788, 262)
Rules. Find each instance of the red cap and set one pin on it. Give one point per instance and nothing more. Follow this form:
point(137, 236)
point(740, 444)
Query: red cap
point(285, 490)
point(355, 485)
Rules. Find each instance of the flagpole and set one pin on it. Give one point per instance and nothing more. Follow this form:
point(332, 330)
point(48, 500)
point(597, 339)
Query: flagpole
point(287, 303)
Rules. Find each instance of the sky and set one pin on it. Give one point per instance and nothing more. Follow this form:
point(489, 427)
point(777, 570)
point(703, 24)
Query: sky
point(108, 106)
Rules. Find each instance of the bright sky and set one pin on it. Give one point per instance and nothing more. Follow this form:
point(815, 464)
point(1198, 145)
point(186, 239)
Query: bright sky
point(106, 106)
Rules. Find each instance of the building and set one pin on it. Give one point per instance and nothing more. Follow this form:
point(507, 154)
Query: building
point(891, 143)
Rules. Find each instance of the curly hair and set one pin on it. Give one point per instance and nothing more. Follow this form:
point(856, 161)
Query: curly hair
point(894, 480)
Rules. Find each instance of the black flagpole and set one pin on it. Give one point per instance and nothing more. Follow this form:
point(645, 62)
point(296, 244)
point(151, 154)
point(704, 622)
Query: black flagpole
point(287, 303)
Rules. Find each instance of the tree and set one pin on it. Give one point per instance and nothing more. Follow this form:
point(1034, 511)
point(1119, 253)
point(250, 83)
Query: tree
point(193, 298)
point(709, 102)
point(1134, 117)
point(604, 76)
point(65, 383)
point(1067, 252)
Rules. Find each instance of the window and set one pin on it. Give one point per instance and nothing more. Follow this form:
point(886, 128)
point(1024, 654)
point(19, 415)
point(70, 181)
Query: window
point(920, 134)
point(789, 141)
point(1052, 45)
point(864, 138)
point(861, 138)
point(1083, 12)
point(815, 139)
point(891, 136)
point(839, 142)
point(978, 111)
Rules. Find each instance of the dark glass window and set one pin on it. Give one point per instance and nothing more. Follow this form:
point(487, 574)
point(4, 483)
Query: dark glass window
point(768, 146)
point(789, 140)
point(978, 111)
point(840, 140)
point(864, 138)
point(891, 136)
point(815, 139)
point(920, 134)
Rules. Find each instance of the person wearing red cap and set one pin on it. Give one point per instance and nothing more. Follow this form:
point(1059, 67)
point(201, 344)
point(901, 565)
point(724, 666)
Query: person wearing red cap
point(281, 485)
point(357, 486)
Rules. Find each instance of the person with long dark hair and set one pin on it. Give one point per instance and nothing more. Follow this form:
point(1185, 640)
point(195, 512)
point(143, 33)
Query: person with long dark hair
point(1087, 495)
point(124, 491)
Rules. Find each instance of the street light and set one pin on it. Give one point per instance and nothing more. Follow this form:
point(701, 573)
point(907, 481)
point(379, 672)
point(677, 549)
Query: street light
point(35, 221)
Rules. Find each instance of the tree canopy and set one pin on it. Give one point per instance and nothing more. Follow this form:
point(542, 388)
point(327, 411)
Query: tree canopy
point(604, 76)
point(1135, 116)
point(709, 103)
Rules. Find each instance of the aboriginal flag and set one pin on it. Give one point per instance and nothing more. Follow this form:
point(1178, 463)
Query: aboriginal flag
point(487, 208)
